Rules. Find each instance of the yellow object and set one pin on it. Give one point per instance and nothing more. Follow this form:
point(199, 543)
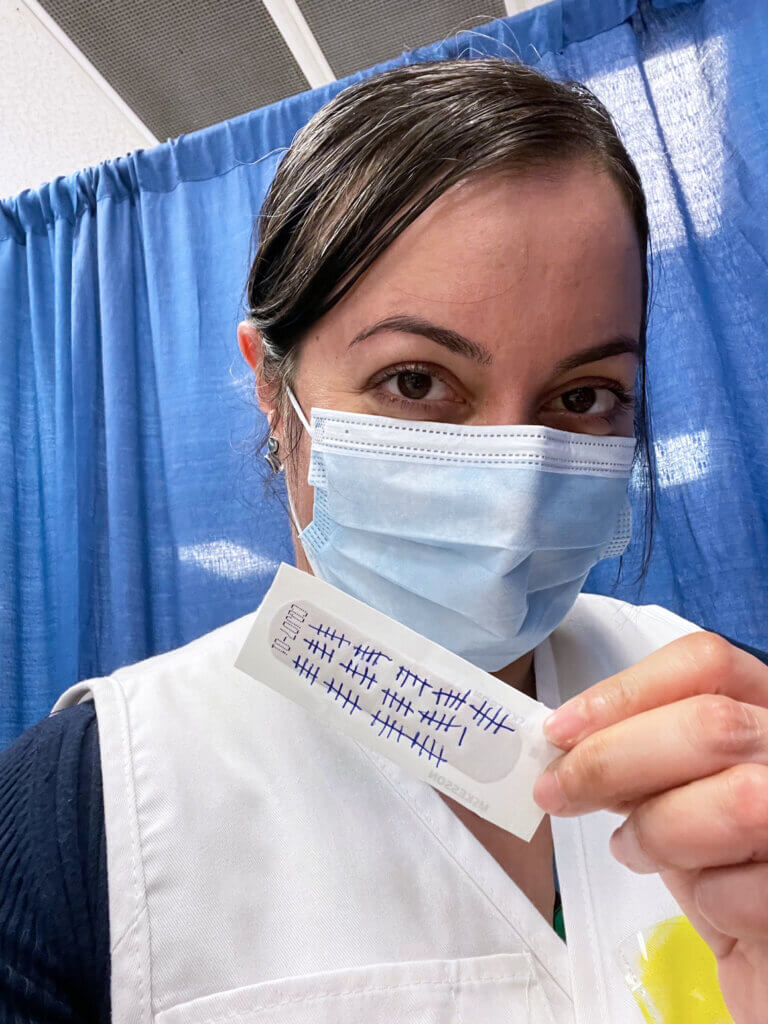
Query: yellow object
point(672, 974)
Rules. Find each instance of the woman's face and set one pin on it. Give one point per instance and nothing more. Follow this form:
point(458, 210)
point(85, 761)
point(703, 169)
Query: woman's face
point(513, 299)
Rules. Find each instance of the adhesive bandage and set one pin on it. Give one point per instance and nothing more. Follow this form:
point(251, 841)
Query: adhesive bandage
point(444, 720)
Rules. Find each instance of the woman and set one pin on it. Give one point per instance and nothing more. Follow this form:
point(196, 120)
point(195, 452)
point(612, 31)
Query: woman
point(459, 248)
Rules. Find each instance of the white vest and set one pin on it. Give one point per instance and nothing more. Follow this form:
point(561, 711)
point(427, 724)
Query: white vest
point(263, 867)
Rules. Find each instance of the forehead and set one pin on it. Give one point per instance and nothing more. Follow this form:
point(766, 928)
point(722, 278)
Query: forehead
point(548, 250)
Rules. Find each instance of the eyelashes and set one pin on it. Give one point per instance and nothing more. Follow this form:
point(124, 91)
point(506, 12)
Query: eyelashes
point(414, 370)
point(622, 399)
point(386, 390)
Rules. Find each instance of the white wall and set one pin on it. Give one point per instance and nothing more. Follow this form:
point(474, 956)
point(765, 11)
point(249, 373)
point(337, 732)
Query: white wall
point(516, 6)
point(56, 115)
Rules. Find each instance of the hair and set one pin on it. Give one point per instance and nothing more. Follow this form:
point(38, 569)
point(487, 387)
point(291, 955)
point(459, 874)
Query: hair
point(378, 154)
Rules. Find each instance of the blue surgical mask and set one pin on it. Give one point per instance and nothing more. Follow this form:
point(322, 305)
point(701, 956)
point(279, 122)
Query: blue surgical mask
point(479, 538)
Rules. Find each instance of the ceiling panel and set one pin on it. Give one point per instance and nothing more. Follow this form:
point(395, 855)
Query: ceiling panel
point(183, 64)
point(186, 64)
point(355, 35)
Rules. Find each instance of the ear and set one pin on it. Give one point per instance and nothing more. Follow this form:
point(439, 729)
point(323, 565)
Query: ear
point(249, 340)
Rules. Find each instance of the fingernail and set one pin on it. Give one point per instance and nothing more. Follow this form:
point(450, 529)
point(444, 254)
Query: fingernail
point(548, 794)
point(567, 723)
point(627, 851)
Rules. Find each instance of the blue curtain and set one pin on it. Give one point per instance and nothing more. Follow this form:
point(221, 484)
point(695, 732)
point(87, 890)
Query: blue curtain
point(133, 511)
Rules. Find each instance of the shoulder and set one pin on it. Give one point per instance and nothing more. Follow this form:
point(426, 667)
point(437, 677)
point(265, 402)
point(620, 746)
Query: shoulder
point(651, 622)
point(603, 635)
point(197, 669)
point(53, 859)
point(56, 741)
point(50, 779)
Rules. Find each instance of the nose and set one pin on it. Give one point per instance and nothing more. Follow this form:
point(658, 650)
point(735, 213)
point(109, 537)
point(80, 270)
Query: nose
point(509, 408)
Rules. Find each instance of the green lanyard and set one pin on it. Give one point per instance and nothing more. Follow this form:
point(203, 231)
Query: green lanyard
point(557, 917)
point(557, 914)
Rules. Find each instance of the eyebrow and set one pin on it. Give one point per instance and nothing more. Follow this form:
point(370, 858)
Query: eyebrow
point(457, 343)
point(444, 336)
point(617, 346)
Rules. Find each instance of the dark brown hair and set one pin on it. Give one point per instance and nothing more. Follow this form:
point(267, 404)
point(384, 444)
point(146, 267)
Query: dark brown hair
point(375, 157)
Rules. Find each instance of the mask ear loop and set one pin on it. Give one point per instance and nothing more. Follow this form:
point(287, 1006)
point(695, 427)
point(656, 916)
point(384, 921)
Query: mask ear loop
point(294, 402)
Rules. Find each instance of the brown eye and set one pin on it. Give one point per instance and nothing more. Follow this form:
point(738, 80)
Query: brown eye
point(415, 384)
point(579, 400)
point(412, 384)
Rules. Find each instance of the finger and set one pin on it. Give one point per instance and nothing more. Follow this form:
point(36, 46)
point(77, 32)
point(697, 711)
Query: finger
point(682, 885)
point(698, 663)
point(654, 751)
point(713, 822)
point(734, 899)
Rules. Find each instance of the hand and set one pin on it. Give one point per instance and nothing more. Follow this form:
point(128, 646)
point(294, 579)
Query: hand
point(679, 744)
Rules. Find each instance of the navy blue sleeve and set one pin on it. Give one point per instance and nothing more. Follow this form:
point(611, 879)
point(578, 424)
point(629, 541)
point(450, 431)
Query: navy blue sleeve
point(54, 918)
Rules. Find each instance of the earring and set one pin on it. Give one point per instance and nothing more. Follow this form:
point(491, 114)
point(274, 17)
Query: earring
point(271, 456)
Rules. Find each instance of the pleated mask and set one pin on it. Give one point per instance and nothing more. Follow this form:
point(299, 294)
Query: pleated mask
point(479, 538)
